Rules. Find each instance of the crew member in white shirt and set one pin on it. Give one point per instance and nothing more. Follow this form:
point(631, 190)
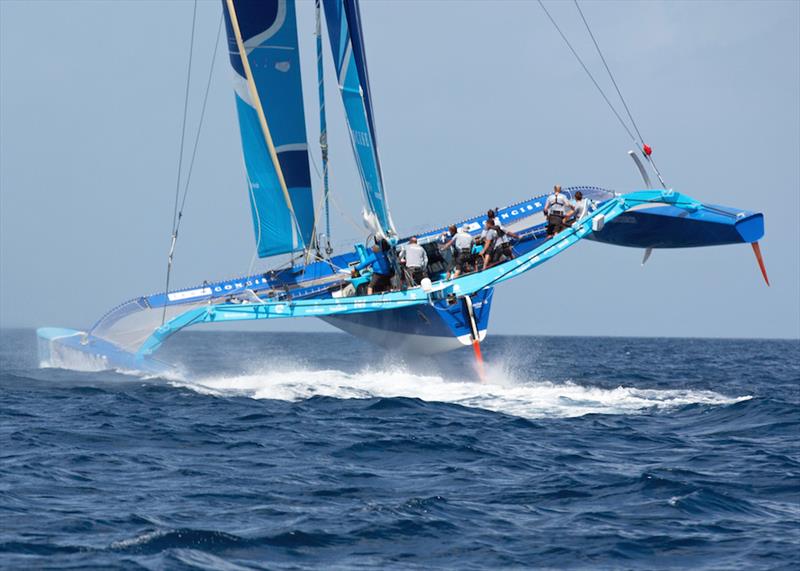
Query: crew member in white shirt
point(415, 259)
point(579, 210)
point(462, 241)
point(555, 209)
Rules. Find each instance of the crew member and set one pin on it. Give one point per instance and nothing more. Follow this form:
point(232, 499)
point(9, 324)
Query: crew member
point(492, 215)
point(489, 235)
point(381, 268)
point(462, 241)
point(415, 259)
point(579, 210)
point(555, 209)
point(502, 247)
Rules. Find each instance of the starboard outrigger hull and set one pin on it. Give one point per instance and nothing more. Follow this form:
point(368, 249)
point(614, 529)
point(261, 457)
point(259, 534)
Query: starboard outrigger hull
point(414, 320)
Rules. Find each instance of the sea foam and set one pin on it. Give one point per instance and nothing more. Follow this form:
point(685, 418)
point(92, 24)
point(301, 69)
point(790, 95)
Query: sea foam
point(501, 392)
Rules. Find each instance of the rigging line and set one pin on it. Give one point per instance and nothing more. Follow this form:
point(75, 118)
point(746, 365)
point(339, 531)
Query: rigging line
point(610, 75)
point(180, 159)
point(200, 125)
point(323, 122)
point(583, 65)
point(346, 216)
point(185, 112)
point(327, 210)
point(316, 210)
point(325, 197)
point(619, 92)
point(277, 266)
point(252, 262)
point(316, 168)
point(315, 242)
point(258, 225)
point(314, 226)
point(199, 130)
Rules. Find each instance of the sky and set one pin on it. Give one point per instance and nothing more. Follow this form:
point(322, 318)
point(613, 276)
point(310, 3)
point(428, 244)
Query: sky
point(477, 105)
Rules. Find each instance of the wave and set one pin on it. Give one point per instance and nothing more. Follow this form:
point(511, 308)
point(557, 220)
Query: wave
point(500, 393)
point(215, 541)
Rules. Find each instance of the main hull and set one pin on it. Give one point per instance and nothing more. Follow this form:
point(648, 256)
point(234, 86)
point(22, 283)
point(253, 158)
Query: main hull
point(426, 329)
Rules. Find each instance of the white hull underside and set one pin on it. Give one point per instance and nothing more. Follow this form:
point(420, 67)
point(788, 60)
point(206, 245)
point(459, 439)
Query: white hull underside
point(404, 342)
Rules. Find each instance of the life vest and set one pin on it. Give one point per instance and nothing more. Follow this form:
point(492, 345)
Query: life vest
point(558, 207)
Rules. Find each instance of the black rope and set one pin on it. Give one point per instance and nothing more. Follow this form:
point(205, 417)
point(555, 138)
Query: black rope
point(586, 69)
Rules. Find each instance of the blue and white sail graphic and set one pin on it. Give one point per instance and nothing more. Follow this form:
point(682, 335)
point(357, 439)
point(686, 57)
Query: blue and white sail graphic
point(347, 45)
point(283, 217)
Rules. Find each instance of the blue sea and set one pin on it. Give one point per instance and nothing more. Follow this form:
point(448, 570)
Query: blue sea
point(296, 451)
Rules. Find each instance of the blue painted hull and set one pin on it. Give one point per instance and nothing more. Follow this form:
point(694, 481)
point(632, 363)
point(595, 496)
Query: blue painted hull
point(423, 329)
point(670, 227)
point(76, 350)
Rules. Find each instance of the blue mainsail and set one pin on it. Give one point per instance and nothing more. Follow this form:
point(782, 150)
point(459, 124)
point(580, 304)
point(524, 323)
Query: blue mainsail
point(347, 45)
point(283, 218)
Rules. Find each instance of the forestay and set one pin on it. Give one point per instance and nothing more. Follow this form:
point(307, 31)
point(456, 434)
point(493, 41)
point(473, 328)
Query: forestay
point(275, 149)
point(347, 46)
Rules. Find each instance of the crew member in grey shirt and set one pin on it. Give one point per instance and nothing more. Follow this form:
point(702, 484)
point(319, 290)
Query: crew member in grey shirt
point(490, 215)
point(489, 242)
point(462, 240)
point(415, 259)
point(502, 247)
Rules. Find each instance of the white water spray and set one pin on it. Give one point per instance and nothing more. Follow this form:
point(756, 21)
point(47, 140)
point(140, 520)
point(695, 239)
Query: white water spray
point(501, 392)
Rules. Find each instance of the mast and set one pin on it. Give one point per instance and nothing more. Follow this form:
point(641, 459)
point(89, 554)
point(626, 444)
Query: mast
point(251, 85)
point(323, 131)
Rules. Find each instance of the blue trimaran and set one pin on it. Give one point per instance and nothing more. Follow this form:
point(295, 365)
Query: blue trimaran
point(445, 314)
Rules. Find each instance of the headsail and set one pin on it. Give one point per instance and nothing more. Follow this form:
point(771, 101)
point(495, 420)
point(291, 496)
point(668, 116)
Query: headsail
point(347, 45)
point(274, 142)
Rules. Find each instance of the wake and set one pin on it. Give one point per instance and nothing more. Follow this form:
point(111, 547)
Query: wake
point(501, 392)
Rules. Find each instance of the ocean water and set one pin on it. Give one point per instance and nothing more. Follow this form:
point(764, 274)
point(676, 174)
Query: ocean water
point(294, 451)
